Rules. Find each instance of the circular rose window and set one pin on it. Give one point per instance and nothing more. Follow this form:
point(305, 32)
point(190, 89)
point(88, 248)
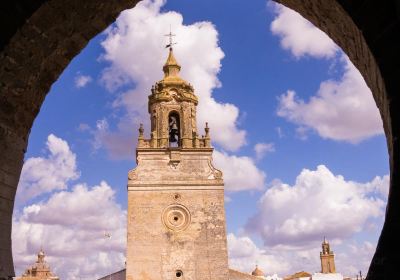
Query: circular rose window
point(176, 217)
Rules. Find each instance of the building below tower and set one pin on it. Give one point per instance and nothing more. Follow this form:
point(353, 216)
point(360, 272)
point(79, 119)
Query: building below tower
point(233, 275)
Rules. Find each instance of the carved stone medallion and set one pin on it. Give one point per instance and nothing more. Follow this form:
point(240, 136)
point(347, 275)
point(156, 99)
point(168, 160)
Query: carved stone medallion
point(176, 217)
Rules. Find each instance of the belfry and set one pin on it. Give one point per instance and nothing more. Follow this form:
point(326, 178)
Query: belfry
point(176, 216)
point(327, 258)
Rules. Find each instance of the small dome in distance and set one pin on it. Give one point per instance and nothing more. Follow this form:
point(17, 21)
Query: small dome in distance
point(257, 272)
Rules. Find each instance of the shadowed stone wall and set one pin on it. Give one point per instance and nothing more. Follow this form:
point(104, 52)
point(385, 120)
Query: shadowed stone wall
point(39, 38)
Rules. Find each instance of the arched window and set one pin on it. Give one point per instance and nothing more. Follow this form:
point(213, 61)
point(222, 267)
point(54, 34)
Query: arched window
point(174, 129)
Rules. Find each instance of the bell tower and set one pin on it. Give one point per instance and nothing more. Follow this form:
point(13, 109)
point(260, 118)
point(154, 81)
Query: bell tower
point(327, 258)
point(172, 109)
point(176, 216)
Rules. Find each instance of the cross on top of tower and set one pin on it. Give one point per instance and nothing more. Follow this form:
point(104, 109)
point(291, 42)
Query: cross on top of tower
point(170, 35)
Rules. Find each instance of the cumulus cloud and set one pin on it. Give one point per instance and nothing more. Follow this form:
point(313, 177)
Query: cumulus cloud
point(134, 47)
point(342, 110)
point(82, 80)
point(82, 229)
point(72, 226)
point(350, 256)
point(240, 172)
point(355, 257)
point(45, 174)
point(261, 149)
point(379, 186)
point(244, 255)
point(300, 36)
point(318, 204)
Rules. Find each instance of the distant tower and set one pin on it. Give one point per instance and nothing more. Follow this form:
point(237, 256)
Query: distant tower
point(327, 258)
point(176, 216)
point(258, 273)
point(39, 271)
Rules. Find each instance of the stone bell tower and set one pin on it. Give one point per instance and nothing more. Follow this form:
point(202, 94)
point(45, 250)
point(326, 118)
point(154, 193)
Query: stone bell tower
point(176, 216)
point(327, 258)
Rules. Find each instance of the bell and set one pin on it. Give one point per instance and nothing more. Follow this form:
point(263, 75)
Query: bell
point(172, 138)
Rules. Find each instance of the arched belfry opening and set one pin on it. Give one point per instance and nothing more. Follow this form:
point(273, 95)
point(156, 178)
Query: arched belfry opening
point(172, 108)
point(174, 129)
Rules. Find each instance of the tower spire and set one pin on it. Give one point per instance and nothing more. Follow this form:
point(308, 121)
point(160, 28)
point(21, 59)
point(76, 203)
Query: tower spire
point(171, 67)
point(170, 35)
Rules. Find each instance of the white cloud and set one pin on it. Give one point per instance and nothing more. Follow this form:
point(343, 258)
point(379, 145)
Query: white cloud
point(70, 224)
point(239, 172)
point(134, 47)
point(300, 36)
point(261, 149)
point(341, 110)
point(318, 204)
point(71, 227)
point(119, 143)
point(350, 256)
point(279, 131)
point(82, 80)
point(356, 256)
point(244, 255)
point(45, 174)
point(379, 186)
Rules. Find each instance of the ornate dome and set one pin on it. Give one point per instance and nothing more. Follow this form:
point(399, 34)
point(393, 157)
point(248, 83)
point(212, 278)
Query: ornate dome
point(172, 86)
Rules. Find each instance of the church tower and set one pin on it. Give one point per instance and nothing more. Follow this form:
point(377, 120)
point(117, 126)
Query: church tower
point(327, 258)
point(39, 271)
point(176, 216)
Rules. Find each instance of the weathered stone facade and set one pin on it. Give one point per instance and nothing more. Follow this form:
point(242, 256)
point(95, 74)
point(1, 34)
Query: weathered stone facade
point(176, 216)
point(233, 275)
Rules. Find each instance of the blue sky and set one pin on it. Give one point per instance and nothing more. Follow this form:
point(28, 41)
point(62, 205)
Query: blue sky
point(285, 106)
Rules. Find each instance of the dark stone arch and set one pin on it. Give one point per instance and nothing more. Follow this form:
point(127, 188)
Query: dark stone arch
point(39, 39)
point(368, 31)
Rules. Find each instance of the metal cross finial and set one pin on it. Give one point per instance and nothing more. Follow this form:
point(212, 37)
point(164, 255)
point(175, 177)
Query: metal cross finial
point(170, 35)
